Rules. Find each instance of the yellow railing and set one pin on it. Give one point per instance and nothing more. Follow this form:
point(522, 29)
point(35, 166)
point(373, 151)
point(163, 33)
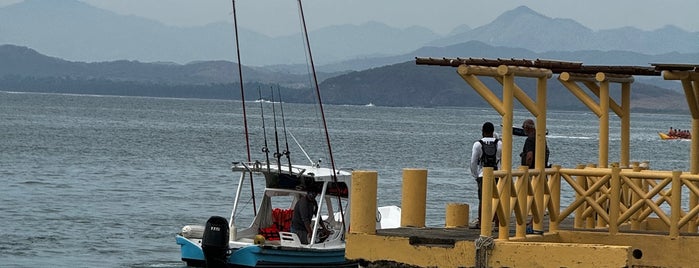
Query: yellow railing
point(605, 198)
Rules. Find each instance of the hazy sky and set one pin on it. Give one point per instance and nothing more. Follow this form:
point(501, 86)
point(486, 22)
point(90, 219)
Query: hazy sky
point(277, 17)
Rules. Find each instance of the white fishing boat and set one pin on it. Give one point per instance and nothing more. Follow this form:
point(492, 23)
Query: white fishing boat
point(268, 240)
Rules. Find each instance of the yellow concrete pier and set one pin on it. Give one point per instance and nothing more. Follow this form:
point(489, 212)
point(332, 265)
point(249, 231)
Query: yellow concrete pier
point(623, 214)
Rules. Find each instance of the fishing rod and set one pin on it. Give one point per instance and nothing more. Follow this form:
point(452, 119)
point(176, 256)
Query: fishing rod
point(286, 141)
point(322, 113)
point(265, 149)
point(242, 98)
point(317, 88)
point(277, 155)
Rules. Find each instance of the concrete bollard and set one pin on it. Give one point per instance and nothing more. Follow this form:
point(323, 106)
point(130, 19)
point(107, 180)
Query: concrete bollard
point(457, 215)
point(414, 200)
point(363, 200)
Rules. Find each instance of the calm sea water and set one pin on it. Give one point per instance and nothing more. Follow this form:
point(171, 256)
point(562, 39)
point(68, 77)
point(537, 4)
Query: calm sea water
point(104, 181)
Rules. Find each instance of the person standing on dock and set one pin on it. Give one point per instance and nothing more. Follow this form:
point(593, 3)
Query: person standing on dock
point(486, 152)
point(527, 154)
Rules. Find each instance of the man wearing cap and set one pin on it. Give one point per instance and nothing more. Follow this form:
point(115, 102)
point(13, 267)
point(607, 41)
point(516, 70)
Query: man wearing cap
point(488, 133)
point(303, 213)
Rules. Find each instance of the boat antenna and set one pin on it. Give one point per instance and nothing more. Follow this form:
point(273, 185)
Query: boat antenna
point(242, 98)
point(277, 155)
point(265, 148)
point(286, 152)
point(322, 113)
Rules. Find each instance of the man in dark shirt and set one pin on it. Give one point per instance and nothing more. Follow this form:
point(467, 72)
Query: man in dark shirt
point(303, 213)
point(529, 148)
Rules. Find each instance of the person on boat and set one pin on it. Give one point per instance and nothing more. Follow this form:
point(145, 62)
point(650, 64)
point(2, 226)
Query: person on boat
point(528, 150)
point(303, 213)
point(478, 162)
point(686, 134)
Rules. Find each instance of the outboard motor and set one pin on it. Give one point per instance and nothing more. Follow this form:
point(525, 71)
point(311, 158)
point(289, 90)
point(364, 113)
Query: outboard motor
point(215, 242)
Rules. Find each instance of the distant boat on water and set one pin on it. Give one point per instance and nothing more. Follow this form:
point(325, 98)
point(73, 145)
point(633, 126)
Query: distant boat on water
point(666, 136)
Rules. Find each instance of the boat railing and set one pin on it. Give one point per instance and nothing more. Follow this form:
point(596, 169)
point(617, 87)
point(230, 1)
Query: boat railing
point(261, 167)
point(613, 199)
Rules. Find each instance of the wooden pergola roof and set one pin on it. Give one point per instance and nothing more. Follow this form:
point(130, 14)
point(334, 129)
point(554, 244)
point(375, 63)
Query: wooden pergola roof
point(554, 65)
point(675, 67)
point(595, 77)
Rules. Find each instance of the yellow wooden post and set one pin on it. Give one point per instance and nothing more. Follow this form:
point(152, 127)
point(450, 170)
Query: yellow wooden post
point(614, 200)
point(363, 200)
point(522, 196)
point(579, 221)
point(508, 102)
point(540, 152)
point(507, 118)
point(505, 207)
point(591, 219)
point(690, 80)
point(694, 167)
point(676, 203)
point(555, 182)
point(603, 120)
point(625, 123)
point(414, 198)
point(694, 150)
point(635, 222)
point(487, 204)
point(691, 92)
point(456, 215)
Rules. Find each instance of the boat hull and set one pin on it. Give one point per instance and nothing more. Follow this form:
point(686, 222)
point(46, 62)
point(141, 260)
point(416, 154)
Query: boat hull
point(267, 256)
point(276, 256)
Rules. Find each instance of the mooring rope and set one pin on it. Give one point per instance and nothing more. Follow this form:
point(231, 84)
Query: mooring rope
point(483, 244)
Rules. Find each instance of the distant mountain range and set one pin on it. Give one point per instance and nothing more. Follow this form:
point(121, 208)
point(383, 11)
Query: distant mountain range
point(369, 63)
point(525, 28)
point(72, 30)
point(402, 84)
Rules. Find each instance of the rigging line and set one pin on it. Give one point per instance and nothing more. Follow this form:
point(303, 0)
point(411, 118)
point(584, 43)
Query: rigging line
point(301, 147)
point(242, 98)
point(265, 149)
point(322, 113)
point(277, 155)
point(286, 141)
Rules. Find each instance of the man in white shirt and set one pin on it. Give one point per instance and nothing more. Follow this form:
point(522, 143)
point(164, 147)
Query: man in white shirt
point(482, 155)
